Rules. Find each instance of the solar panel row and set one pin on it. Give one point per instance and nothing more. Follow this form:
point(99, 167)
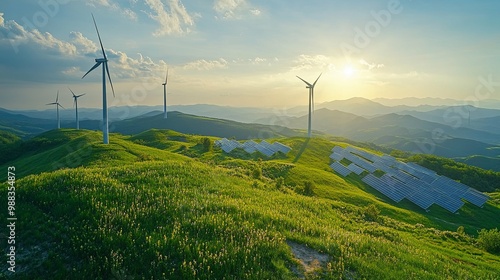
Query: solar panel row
point(360, 162)
point(340, 168)
point(356, 169)
point(473, 197)
point(382, 187)
point(336, 157)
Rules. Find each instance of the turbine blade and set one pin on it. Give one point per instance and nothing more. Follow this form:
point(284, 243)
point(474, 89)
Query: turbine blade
point(57, 98)
point(304, 81)
point(98, 35)
point(80, 95)
point(60, 105)
point(74, 103)
point(166, 78)
point(50, 104)
point(317, 79)
point(109, 77)
point(93, 67)
point(72, 92)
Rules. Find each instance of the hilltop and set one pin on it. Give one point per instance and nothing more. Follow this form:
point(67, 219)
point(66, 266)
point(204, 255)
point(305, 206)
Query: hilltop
point(159, 204)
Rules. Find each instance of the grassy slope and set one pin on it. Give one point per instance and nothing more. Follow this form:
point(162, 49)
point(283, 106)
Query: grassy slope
point(151, 217)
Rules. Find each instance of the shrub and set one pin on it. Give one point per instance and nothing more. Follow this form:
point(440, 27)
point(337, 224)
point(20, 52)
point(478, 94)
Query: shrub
point(489, 240)
point(257, 173)
point(309, 188)
point(280, 182)
point(371, 212)
point(461, 230)
point(207, 144)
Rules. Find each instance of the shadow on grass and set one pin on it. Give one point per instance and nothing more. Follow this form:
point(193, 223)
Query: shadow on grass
point(302, 149)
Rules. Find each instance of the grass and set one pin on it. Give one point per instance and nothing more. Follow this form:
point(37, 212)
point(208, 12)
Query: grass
point(144, 208)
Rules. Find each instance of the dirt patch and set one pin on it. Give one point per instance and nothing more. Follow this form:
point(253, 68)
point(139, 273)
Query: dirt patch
point(310, 259)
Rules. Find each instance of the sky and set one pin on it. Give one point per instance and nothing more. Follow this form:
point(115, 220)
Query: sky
point(247, 53)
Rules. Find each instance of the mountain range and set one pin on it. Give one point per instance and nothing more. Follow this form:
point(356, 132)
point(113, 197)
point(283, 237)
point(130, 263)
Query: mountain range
point(444, 131)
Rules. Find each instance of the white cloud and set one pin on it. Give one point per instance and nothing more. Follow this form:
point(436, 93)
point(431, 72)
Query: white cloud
point(371, 65)
point(203, 64)
point(255, 12)
point(17, 35)
point(42, 52)
point(113, 6)
point(1, 19)
point(175, 21)
point(83, 44)
point(305, 62)
point(234, 9)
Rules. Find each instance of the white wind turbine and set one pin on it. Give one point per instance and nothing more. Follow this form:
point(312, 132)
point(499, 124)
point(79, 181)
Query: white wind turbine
point(105, 70)
point(75, 103)
point(311, 101)
point(57, 109)
point(165, 96)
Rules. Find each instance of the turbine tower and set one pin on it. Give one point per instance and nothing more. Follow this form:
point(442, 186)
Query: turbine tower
point(105, 70)
point(57, 109)
point(75, 104)
point(165, 96)
point(311, 101)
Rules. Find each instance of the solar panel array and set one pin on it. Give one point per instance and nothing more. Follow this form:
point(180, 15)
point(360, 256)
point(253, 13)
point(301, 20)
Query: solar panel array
point(418, 184)
point(251, 146)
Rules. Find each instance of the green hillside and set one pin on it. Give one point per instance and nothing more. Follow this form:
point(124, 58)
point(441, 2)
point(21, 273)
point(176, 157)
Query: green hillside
point(159, 205)
point(191, 124)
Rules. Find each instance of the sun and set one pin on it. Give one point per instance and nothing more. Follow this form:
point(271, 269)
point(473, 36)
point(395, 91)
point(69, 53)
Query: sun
point(349, 71)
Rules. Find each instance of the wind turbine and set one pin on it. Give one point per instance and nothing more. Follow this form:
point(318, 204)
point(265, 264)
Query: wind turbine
point(105, 70)
point(311, 101)
point(75, 103)
point(57, 109)
point(165, 96)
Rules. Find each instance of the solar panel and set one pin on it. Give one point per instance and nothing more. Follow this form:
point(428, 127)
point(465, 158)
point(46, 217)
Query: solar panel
point(249, 143)
point(227, 148)
point(336, 157)
point(421, 168)
point(338, 150)
point(277, 146)
point(250, 149)
point(401, 189)
point(341, 169)
point(475, 197)
point(360, 162)
point(383, 187)
point(422, 199)
point(448, 203)
point(265, 144)
point(356, 169)
point(265, 151)
point(236, 144)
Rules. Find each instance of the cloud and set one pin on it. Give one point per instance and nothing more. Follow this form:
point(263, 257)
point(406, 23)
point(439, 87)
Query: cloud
point(203, 64)
point(113, 6)
point(371, 65)
point(255, 12)
point(175, 21)
point(1, 19)
point(43, 57)
point(234, 9)
point(83, 44)
point(17, 36)
point(305, 62)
